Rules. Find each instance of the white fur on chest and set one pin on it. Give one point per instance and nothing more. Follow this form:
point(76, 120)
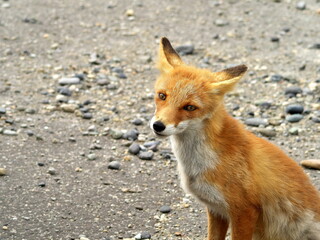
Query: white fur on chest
point(195, 157)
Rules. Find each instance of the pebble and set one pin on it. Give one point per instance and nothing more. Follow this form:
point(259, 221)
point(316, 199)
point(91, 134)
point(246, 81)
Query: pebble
point(42, 184)
point(276, 78)
point(315, 46)
point(30, 133)
point(294, 131)
point(274, 39)
point(221, 23)
point(316, 119)
point(134, 148)
point(131, 135)
point(94, 59)
point(87, 115)
point(112, 87)
point(61, 98)
point(165, 209)
point(69, 81)
point(116, 134)
point(30, 111)
point(9, 132)
point(65, 91)
point(294, 118)
point(301, 5)
point(81, 76)
point(121, 75)
point(294, 109)
point(256, 122)
point(137, 121)
point(264, 104)
point(84, 238)
point(267, 132)
point(293, 91)
point(103, 82)
point(311, 163)
point(52, 171)
point(114, 165)
point(68, 107)
point(92, 157)
point(146, 155)
point(185, 49)
point(3, 171)
point(2, 110)
point(153, 145)
point(130, 12)
point(143, 235)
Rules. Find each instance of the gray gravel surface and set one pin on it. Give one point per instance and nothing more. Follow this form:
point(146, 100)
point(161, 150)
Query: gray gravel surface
point(76, 90)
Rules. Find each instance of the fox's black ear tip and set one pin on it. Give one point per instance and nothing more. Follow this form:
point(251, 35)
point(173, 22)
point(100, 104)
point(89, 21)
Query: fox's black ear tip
point(242, 68)
point(165, 41)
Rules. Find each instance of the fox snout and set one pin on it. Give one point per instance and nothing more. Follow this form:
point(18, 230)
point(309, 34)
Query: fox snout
point(158, 126)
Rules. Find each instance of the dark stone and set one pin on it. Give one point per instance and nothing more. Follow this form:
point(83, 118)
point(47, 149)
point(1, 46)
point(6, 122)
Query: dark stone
point(316, 119)
point(275, 39)
point(42, 184)
point(30, 20)
point(165, 209)
point(276, 78)
point(40, 164)
point(294, 108)
point(103, 82)
point(87, 115)
point(30, 133)
point(112, 87)
point(146, 155)
point(84, 109)
point(185, 49)
point(153, 145)
point(2, 110)
point(134, 148)
point(294, 118)
point(81, 76)
point(145, 235)
point(114, 165)
point(315, 46)
point(131, 135)
point(9, 121)
point(137, 122)
point(87, 102)
point(256, 122)
point(122, 75)
point(265, 105)
point(65, 91)
point(293, 90)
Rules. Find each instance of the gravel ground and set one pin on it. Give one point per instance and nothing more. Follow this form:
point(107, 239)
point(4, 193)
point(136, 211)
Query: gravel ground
point(76, 95)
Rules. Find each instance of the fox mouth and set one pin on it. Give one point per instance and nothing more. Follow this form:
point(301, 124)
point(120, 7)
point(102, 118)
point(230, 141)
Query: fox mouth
point(159, 134)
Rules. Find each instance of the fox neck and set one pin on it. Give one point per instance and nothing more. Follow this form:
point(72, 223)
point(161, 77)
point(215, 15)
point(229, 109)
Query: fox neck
point(193, 147)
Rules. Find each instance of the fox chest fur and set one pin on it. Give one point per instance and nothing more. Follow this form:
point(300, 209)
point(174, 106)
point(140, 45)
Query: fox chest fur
point(195, 157)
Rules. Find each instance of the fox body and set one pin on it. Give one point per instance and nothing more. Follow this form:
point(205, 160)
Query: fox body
point(245, 182)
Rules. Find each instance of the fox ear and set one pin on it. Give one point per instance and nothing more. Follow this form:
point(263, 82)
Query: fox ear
point(168, 57)
point(225, 80)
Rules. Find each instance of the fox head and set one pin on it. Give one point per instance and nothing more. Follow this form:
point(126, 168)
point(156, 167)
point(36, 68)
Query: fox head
point(185, 96)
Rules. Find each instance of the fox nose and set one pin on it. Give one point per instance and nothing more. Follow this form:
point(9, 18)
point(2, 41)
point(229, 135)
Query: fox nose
point(158, 126)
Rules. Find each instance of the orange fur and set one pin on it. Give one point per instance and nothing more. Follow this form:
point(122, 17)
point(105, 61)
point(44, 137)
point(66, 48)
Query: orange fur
point(245, 181)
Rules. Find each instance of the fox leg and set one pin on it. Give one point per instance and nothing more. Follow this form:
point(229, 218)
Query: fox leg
point(244, 223)
point(217, 226)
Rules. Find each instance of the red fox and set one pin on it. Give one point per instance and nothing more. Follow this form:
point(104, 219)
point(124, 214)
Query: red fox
point(244, 181)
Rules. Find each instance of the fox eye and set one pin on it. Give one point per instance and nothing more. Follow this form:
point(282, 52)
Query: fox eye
point(162, 96)
point(189, 108)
